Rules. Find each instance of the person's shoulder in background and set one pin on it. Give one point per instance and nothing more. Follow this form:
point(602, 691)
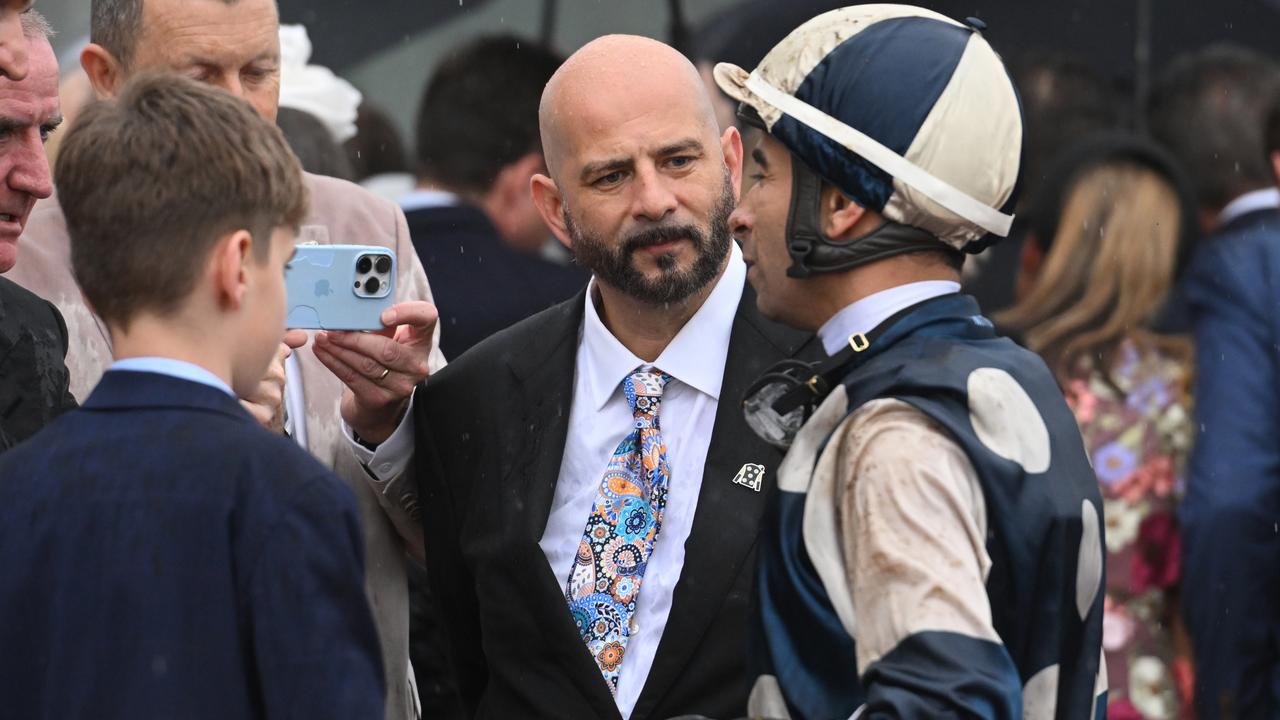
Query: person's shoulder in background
point(353, 215)
point(34, 380)
point(1238, 266)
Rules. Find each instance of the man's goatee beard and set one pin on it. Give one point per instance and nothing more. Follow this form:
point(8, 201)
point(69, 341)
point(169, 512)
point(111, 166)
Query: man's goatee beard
point(616, 268)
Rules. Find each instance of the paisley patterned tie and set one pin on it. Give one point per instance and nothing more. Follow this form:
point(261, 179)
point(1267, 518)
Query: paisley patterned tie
point(604, 584)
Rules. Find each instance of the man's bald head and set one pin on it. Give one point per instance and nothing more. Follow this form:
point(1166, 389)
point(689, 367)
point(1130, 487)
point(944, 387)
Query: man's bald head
point(642, 181)
point(610, 76)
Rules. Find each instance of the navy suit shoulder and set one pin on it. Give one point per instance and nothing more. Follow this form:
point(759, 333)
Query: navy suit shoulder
point(178, 560)
point(1233, 480)
point(34, 382)
point(1237, 264)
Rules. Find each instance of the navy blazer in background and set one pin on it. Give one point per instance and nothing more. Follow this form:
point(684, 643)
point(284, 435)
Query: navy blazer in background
point(1231, 514)
point(479, 284)
point(162, 556)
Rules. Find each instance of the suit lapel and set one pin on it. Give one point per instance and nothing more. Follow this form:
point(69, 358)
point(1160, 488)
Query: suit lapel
point(727, 520)
point(545, 375)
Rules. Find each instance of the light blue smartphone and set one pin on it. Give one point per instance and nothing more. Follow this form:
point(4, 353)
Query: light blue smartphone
point(339, 287)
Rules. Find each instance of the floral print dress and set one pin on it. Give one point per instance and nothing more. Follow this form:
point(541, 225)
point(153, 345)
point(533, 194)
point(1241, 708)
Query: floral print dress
point(1137, 429)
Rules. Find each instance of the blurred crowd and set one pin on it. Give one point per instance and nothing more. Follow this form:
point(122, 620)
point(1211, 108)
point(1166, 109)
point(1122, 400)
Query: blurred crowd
point(1143, 268)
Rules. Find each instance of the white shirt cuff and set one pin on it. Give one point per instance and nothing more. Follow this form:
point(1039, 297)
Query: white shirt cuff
point(392, 457)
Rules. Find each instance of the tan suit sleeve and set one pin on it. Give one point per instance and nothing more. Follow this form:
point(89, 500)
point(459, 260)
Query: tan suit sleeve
point(397, 494)
point(912, 520)
point(352, 215)
point(411, 281)
point(44, 268)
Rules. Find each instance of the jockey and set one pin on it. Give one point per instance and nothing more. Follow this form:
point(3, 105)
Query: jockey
point(935, 547)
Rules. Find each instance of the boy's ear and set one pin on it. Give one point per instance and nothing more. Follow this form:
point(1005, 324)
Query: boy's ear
point(230, 258)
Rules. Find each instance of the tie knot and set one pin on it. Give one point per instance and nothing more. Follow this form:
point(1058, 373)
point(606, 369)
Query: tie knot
point(644, 393)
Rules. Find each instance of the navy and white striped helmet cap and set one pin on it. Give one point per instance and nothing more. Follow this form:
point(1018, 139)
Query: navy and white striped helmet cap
point(908, 112)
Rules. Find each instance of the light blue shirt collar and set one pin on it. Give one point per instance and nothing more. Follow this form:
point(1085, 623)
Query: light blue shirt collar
point(1264, 199)
point(866, 314)
point(172, 368)
point(423, 199)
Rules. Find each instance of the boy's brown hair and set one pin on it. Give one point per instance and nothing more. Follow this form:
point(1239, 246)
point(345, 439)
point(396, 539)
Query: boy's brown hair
point(150, 180)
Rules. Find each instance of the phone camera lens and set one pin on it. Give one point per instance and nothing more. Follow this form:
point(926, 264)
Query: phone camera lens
point(384, 265)
point(364, 265)
point(372, 286)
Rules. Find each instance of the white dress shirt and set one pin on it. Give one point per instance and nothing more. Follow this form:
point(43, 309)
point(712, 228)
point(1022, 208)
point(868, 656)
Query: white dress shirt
point(600, 418)
point(866, 314)
point(180, 369)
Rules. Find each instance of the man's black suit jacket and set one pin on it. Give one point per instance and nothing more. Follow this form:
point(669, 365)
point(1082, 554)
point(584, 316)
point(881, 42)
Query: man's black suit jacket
point(491, 435)
point(34, 382)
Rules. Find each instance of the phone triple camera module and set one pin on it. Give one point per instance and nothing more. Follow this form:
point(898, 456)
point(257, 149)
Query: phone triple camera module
point(373, 276)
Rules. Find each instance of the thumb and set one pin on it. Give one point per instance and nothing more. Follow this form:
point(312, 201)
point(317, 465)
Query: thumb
point(416, 334)
point(295, 338)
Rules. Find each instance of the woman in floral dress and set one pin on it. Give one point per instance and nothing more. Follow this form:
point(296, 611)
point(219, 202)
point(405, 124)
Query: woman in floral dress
point(1097, 271)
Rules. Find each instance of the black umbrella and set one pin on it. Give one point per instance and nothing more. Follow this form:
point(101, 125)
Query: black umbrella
point(345, 32)
point(378, 23)
point(1126, 40)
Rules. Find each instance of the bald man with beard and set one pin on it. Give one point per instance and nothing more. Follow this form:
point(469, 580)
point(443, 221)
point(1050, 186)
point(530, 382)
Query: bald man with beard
point(591, 494)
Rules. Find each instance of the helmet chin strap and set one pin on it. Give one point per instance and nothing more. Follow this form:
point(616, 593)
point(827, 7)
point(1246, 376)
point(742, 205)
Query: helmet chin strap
point(813, 252)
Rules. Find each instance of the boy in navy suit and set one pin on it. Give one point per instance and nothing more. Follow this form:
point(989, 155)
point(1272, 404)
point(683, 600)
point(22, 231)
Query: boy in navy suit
point(161, 555)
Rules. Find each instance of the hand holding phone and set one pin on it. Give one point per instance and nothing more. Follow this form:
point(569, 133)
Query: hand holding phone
point(339, 287)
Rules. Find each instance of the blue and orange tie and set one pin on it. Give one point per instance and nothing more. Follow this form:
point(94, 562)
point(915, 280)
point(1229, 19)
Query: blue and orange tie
point(604, 584)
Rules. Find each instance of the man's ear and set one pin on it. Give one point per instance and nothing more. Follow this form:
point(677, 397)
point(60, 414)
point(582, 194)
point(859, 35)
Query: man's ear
point(228, 264)
point(550, 204)
point(104, 71)
point(511, 187)
point(840, 215)
point(731, 146)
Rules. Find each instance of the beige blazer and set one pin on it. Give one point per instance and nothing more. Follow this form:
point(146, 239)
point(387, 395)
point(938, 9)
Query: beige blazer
point(349, 215)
